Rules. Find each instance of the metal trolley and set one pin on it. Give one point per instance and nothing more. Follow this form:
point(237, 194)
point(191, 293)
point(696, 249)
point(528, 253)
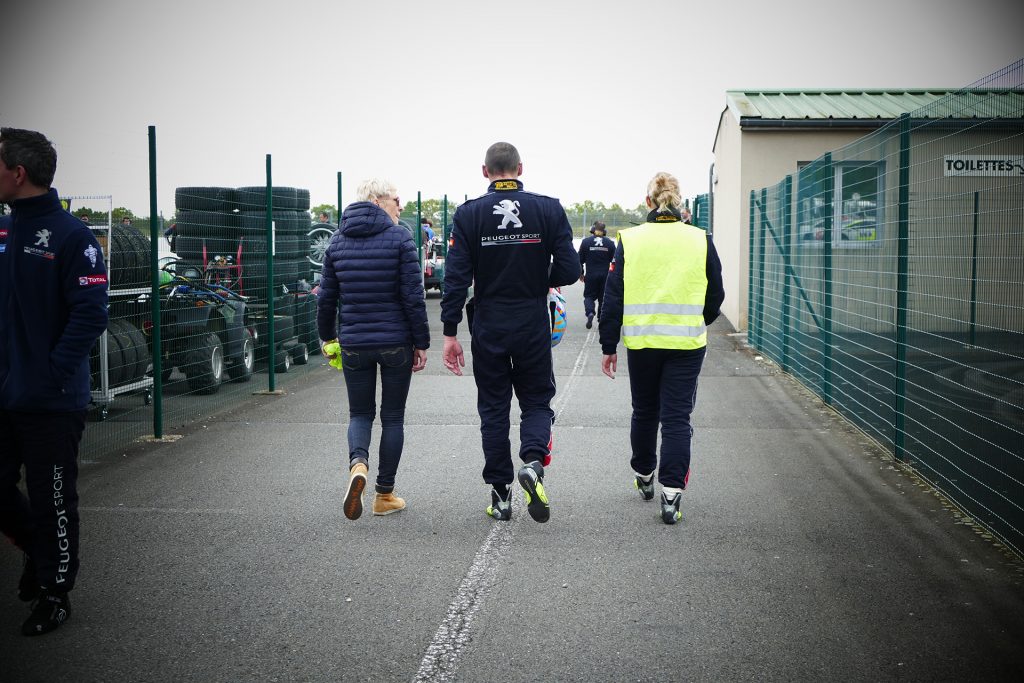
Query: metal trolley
point(103, 395)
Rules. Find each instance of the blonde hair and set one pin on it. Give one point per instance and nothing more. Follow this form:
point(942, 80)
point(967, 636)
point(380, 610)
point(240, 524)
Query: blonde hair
point(375, 188)
point(664, 191)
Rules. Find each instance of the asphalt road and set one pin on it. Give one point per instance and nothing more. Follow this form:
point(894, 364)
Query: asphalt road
point(803, 554)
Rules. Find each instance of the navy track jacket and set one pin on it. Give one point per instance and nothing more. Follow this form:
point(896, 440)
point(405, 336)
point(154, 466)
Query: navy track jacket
point(53, 306)
point(372, 269)
point(511, 245)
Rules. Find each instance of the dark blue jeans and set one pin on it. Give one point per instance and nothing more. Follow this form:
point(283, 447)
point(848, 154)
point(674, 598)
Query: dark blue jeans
point(663, 383)
point(360, 368)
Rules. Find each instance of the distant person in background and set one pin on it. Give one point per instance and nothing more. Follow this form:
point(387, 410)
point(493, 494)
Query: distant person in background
point(53, 294)
point(428, 230)
point(595, 254)
point(126, 221)
point(685, 214)
point(325, 217)
point(664, 288)
point(372, 270)
point(84, 218)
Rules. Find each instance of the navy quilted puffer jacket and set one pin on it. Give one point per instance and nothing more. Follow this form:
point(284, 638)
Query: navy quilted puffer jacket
point(371, 268)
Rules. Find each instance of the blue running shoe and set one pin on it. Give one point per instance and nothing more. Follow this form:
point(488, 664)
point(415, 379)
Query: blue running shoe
point(531, 478)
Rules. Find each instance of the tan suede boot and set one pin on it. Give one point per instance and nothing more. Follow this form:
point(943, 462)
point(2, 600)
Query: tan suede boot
point(353, 505)
point(386, 503)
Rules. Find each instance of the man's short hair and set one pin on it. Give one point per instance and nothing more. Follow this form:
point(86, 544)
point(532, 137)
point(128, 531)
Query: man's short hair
point(324, 214)
point(502, 157)
point(27, 148)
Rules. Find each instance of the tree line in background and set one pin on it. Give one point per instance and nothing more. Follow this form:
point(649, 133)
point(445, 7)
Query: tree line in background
point(581, 214)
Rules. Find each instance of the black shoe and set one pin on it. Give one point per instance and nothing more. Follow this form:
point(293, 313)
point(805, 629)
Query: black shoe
point(670, 513)
point(50, 610)
point(646, 488)
point(500, 509)
point(28, 585)
point(590, 321)
point(531, 478)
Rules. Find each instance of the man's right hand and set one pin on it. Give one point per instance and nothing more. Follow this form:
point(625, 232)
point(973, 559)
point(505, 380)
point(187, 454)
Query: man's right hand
point(452, 355)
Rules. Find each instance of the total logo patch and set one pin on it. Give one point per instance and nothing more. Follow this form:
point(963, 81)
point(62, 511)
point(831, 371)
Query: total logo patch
point(3, 234)
point(87, 280)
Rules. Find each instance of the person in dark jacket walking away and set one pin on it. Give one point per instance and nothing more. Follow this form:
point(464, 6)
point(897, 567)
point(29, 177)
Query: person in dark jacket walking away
point(661, 304)
point(372, 270)
point(595, 255)
point(53, 299)
point(512, 246)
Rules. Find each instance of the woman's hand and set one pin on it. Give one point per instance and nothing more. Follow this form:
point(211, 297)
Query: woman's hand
point(419, 360)
point(610, 364)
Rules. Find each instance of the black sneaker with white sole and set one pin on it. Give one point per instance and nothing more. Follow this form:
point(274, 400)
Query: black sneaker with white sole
point(646, 488)
point(49, 611)
point(531, 478)
point(670, 513)
point(500, 509)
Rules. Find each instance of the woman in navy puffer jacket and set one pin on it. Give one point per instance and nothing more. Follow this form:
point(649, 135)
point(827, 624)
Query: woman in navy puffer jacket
point(371, 268)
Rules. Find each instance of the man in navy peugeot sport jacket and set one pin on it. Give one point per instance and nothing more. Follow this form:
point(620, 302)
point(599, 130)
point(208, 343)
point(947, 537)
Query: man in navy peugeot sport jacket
point(53, 306)
point(512, 246)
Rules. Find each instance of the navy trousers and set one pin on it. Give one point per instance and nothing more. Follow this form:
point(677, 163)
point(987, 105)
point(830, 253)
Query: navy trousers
point(663, 384)
point(593, 292)
point(45, 525)
point(512, 352)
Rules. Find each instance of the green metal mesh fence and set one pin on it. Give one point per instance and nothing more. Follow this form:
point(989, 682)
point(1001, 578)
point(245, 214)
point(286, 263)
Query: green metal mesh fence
point(888, 277)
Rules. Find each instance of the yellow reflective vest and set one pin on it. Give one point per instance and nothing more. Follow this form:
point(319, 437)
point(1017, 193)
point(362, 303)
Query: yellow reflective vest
point(664, 286)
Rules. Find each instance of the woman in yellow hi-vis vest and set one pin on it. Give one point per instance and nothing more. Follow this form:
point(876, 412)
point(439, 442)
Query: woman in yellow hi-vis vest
point(660, 305)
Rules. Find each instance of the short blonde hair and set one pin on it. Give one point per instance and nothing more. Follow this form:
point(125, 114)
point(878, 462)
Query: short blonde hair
point(375, 188)
point(664, 191)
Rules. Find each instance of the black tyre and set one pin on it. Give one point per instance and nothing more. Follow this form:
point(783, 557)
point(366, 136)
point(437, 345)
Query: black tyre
point(300, 354)
point(254, 197)
point(319, 239)
point(282, 361)
point(204, 364)
point(129, 258)
point(301, 199)
point(135, 357)
point(204, 199)
point(242, 368)
point(206, 224)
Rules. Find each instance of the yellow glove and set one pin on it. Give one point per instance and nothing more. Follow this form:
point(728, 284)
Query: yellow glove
point(332, 350)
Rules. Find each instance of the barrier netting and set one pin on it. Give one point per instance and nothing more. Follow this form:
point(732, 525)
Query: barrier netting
point(888, 277)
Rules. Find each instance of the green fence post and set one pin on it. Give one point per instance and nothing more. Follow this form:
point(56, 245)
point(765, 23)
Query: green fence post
point(751, 323)
point(762, 231)
point(271, 356)
point(902, 284)
point(974, 270)
point(787, 226)
point(154, 295)
point(339, 198)
point(826, 280)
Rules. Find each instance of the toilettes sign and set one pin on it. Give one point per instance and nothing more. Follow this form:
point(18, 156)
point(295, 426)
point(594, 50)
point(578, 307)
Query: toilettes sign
point(983, 165)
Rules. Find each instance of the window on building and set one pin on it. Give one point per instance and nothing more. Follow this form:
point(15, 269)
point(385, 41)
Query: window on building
point(857, 206)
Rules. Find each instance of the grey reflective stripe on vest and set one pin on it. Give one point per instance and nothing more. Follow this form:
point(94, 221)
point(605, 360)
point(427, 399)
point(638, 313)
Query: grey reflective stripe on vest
point(671, 309)
point(663, 331)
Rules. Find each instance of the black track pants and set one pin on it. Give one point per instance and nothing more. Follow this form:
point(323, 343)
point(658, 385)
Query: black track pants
point(512, 351)
point(45, 525)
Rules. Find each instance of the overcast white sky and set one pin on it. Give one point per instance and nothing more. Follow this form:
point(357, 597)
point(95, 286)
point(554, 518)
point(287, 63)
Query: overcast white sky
point(597, 95)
